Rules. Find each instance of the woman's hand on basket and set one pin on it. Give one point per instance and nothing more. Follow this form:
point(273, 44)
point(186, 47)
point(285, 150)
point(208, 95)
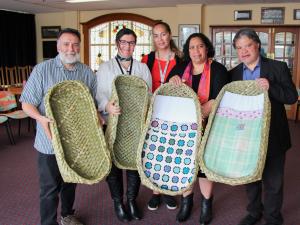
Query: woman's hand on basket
point(206, 108)
point(176, 80)
point(112, 108)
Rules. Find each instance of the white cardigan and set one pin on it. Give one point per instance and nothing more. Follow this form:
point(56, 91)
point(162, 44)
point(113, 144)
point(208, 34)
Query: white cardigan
point(108, 71)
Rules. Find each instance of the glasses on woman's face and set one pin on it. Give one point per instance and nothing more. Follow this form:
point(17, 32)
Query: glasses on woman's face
point(125, 43)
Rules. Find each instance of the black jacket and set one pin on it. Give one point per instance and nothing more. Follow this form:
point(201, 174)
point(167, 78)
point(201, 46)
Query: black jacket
point(281, 91)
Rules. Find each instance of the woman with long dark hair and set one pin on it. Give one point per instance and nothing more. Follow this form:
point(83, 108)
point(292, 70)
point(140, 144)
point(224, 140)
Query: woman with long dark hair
point(161, 62)
point(206, 77)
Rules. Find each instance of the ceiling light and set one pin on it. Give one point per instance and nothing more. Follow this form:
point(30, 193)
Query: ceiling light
point(80, 1)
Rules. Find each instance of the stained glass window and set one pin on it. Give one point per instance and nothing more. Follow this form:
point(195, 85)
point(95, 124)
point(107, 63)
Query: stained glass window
point(102, 40)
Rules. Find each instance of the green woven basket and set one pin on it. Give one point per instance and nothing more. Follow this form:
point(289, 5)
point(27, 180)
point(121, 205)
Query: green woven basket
point(124, 131)
point(247, 88)
point(176, 91)
point(78, 141)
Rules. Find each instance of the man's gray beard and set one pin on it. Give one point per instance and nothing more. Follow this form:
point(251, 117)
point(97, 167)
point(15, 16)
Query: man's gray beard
point(67, 60)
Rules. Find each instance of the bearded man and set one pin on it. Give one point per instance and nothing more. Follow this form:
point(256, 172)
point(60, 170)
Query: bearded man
point(65, 66)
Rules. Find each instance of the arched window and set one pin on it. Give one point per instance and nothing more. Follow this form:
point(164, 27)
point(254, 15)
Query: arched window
point(100, 35)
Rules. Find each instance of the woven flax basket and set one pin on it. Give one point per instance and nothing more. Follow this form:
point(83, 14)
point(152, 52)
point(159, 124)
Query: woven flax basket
point(124, 131)
point(78, 141)
point(229, 152)
point(176, 91)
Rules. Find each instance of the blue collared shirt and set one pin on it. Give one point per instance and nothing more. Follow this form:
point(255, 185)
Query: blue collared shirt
point(251, 74)
point(44, 76)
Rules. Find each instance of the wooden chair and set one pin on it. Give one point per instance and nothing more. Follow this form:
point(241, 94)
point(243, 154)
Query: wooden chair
point(12, 75)
point(30, 68)
point(4, 79)
point(4, 120)
point(1, 78)
point(23, 73)
point(8, 108)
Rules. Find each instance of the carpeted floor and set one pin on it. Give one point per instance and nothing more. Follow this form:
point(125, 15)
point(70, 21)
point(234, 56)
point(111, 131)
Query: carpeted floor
point(19, 192)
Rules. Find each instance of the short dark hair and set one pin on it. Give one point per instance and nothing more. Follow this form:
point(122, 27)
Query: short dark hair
point(248, 32)
point(206, 42)
point(69, 31)
point(125, 31)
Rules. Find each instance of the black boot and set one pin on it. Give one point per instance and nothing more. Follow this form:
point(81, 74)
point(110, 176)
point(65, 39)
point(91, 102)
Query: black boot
point(133, 210)
point(206, 210)
point(120, 211)
point(115, 184)
point(185, 208)
point(133, 186)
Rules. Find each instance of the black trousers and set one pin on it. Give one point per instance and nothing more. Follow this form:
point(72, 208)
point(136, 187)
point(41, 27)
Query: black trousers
point(51, 184)
point(272, 182)
point(115, 183)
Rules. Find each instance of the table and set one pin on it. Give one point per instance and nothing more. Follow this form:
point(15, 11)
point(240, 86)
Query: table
point(15, 90)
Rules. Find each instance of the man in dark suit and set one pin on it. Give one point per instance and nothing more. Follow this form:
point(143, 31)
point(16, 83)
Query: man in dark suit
point(274, 77)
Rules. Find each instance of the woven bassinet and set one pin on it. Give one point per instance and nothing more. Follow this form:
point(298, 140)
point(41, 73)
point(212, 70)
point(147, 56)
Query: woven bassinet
point(123, 132)
point(247, 88)
point(176, 91)
point(78, 141)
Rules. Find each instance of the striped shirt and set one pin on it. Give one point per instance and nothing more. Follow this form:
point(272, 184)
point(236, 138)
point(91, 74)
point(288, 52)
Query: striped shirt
point(44, 76)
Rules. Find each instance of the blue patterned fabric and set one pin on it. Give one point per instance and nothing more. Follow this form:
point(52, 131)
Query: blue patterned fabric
point(169, 153)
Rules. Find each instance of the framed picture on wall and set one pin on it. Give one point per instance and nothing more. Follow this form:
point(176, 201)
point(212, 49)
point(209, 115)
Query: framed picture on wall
point(272, 15)
point(296, 14)
point(242, 15)
point(185, 30)
point(175, 39)
point(50, 31)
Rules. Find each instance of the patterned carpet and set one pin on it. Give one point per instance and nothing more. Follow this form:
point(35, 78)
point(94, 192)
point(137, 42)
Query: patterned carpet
point(19, 192)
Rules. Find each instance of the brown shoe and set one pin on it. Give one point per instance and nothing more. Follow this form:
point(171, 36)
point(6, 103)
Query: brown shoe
point(70, 220)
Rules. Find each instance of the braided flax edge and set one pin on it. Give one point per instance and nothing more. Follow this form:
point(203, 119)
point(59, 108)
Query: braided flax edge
point(249, 88)
point(69, 174)
point(169, 89)
point(113, 125)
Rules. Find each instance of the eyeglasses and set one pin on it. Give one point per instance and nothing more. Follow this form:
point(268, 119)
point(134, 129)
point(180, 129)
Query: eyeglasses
point(124, 43)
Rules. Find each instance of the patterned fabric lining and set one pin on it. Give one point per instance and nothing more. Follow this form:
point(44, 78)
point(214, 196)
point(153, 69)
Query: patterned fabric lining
point(234, 114)
point(168, 155)
point(233, 145)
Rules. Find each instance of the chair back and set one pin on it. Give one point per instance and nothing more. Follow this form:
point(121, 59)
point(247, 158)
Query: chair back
point(4, 79)
point(12, 75)
point(3, 119)
point(7, 101)
point(30, 68)
point(23, 73)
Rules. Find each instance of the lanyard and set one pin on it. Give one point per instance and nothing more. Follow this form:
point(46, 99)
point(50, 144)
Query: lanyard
point(131, 62)
point(162, 74)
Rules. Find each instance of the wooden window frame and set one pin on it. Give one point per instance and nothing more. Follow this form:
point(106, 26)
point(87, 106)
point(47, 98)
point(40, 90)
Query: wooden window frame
point(108, 18)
